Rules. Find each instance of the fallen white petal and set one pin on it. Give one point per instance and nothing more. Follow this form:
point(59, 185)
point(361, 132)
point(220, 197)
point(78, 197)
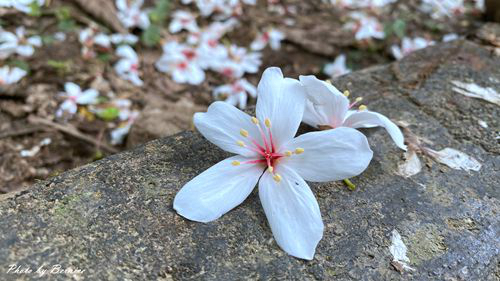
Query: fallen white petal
point(476, 91)
point(455, 159)
point(398, 250)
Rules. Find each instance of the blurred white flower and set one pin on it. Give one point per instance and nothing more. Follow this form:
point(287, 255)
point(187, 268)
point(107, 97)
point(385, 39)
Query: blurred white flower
point(365, 27)
point(11, 43)
point(223, 8)
point(442, 8)
point(182, 20)
point(132, 16)
point(239, 62)
point(355, 4)
point(74, 96)
point(92, 41)
point(11, 75)
point(119, 134)
point(450, 37)
point(337, 67)
point(181, 61)
point(24, 6)
point(409, 45)
point(272, 36)
point(236, 93)
point(128, 65)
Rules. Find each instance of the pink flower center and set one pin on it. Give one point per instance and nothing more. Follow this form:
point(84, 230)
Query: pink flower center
point(182, 65)
point(189, 54)
point(266, 149)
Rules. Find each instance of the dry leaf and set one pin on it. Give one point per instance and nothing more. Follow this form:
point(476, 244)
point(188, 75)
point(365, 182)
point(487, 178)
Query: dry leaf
point(398, 250)
point(411, 166)
point(104, 11)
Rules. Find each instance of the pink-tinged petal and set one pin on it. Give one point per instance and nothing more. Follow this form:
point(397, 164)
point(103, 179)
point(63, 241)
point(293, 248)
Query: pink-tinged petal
point(217, 190)
point(221, 125)
point(292, 212)
point(72, 89)
point(328, 102)
point(329, 155)
point(282, 100)
point(367, 119)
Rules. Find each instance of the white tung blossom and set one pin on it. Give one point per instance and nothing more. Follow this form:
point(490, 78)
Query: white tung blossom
point(24, 6)
point(11, 75)
point(128, 65)
point(182, 20)
point(75, 96)
point(409, 45)
point(328, 108)
point(365, 27)
point(337, 67)
point(272, 36)
point(181, 61)
point(268, 154)
point(132, 16)
point(18, 43)
point(236, 93)
point(442, 8)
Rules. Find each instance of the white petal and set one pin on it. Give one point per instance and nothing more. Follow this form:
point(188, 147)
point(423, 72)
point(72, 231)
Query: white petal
point(72, 89)
point(217, 190)
point(292, 212)
point(25, 50)
point(327, 100)
point(329, 155)
point(282, 100)
point(88, 97)
point(221, 125)
point(366, 119)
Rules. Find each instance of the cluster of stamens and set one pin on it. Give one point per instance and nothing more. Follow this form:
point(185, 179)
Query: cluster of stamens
point(268, 152)
point(356, 101)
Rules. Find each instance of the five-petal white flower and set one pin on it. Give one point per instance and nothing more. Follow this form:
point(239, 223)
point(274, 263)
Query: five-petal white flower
point(328, 108)
point(74, 96)
point(11, 43)
point(182, 20)
point(132, 16)
point(236, 92)
point(269, 154)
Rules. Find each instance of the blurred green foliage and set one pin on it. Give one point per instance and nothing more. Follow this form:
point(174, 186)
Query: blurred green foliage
point(151, 36)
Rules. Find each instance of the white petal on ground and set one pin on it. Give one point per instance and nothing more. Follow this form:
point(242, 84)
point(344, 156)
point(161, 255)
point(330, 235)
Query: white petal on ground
point(282, 101)
point(217, 190)
point(455, 159)
point(72, 89)
point(221, 125)
point(366, 119)
point(398, 251)
point(329, 155)
point(329, 105)
point(411, 166)
point(88, 96)
point(292, 212)
point(475, 91)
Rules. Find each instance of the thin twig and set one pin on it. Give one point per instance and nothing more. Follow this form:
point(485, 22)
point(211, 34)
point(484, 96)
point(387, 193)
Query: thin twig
point(70, 130)
point(20, 132)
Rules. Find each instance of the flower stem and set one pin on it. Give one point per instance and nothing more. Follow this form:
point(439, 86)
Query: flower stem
point(349, 184)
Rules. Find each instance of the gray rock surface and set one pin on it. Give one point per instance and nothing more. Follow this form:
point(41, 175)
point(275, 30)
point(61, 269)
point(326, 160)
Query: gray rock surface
point(114, 218)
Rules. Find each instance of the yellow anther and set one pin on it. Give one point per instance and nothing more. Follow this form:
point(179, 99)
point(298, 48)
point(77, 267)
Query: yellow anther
point(255, 120)
point(277, 178)
point(299, 150)
point(328, 81)
point(270, 169)
point(244, 133)
point(288, 153)
point(362, 107)
point(241, 143)
point(235, 163)
point(267, 122)
point(358, 99)
point(346, 93)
